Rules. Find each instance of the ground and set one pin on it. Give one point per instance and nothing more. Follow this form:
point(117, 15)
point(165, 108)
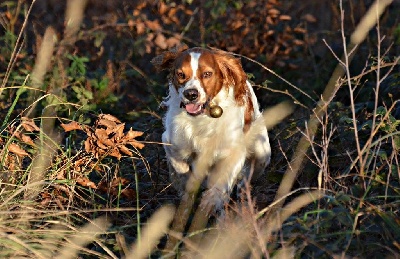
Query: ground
point(99, 83)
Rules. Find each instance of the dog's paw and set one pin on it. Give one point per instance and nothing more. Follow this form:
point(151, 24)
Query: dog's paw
point(214, 200)
point(181, 167)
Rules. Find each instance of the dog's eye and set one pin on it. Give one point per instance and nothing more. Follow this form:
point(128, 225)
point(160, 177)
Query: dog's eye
point(180, 75)
point(207, 74)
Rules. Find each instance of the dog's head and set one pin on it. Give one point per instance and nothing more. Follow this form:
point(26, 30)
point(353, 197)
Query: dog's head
point(199, 74)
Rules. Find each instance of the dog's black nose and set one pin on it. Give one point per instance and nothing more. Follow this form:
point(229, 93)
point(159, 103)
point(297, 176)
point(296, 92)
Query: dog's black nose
point(191, 94)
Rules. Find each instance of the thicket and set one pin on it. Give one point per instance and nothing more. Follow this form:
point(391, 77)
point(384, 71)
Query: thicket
point(83, 172)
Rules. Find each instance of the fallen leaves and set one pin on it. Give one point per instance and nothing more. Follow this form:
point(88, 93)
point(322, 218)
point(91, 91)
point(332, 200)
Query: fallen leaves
point(107, 137)
point(71, 126)
point(85, 182)
point(16, 149)
point(29, 125)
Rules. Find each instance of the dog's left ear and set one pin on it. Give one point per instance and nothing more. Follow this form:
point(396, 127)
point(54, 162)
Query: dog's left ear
point(233, 75)
point(165, 60)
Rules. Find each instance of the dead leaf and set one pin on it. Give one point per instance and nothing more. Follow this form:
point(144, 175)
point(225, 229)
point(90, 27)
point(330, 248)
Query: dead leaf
point(162, 8)
point(284, 17)
point(129, 194)
point(84, 181)
point(140, 28)
point(109, 117)
point(298, 42)
point(88, 145)
point(16, 149)
point(161, 41)
point(119, 181)
point(107, 123)
point(309, 18)
point(299, 30)
point(101, 134)
point(174, 41)
point(125, 150)
point(131, 134)
point(28, 140)
point(136, 144)
point(115, 153)
point(153, 25)
point(101, 145)
point(119, 131)
point(73, 125)
point(29, 125)
point(274, 12)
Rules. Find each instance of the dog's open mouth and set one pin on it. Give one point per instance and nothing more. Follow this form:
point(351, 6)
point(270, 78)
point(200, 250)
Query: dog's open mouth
point(193, 108)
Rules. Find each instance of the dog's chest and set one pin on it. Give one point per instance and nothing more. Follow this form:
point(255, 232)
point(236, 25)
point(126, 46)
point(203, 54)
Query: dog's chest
point(204, 133)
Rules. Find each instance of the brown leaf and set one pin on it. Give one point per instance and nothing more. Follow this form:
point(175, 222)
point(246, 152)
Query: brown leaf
point(299, 30)
point(298, 42)
point(162, 8)
point(131, 134)
point(140, 27)
point(136, 144)
point(84, 181)
point(161, 41)
point(28, 140)
point(73, 125)
point(125, 150)
point(285, 17)
point(101, 145)
point(108, 123)
point(101, 134)
point(119, 131)
point(309, 18)
point(273, 12)
point(173, 41)
point(115, 153)
point(102, 137)
point(29, 125)
point(153, 25)
point(16, 149)
point(109, 117)
point(129, 193)
point(119, 181)
point(88, 145)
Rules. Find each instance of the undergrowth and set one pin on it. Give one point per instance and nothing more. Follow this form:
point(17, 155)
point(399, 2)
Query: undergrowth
point(80, 177)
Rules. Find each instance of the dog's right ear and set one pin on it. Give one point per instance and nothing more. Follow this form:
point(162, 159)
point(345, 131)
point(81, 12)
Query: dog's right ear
point(165, 60)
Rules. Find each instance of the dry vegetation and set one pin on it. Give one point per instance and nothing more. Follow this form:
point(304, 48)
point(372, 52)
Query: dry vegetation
point(82, 171)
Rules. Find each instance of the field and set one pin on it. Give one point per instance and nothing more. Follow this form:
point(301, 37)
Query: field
point(83, 173)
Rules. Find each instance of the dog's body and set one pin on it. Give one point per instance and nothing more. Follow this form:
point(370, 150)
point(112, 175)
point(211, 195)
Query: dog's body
point(220, 147)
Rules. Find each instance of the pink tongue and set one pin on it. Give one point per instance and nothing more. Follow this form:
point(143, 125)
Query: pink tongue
point(193, 108)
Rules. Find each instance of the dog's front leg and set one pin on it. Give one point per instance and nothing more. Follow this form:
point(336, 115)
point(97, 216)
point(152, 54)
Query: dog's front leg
point(176, 157)
point(178, 166)
point(222, 179)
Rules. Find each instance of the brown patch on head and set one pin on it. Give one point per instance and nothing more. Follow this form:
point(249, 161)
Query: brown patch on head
point(233, 75)
point(181, 71)
point(208, 73)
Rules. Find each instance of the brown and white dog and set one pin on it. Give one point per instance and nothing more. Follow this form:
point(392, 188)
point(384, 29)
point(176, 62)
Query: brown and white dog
point(213, 126)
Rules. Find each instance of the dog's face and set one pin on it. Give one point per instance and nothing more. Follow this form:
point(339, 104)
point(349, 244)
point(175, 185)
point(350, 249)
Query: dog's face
point(198, 75)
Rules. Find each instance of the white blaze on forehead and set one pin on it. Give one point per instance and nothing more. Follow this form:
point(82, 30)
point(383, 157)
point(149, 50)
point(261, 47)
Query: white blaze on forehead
point(194, 62)
point(194, 82)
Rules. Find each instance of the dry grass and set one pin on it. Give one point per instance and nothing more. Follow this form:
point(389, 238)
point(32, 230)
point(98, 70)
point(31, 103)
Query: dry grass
point(53, 209)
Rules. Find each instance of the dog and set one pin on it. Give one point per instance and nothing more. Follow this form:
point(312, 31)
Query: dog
point(213, 124)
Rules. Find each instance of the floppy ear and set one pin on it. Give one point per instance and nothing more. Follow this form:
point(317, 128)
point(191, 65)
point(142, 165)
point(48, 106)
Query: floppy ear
point(165, 60)
point(233, 74)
